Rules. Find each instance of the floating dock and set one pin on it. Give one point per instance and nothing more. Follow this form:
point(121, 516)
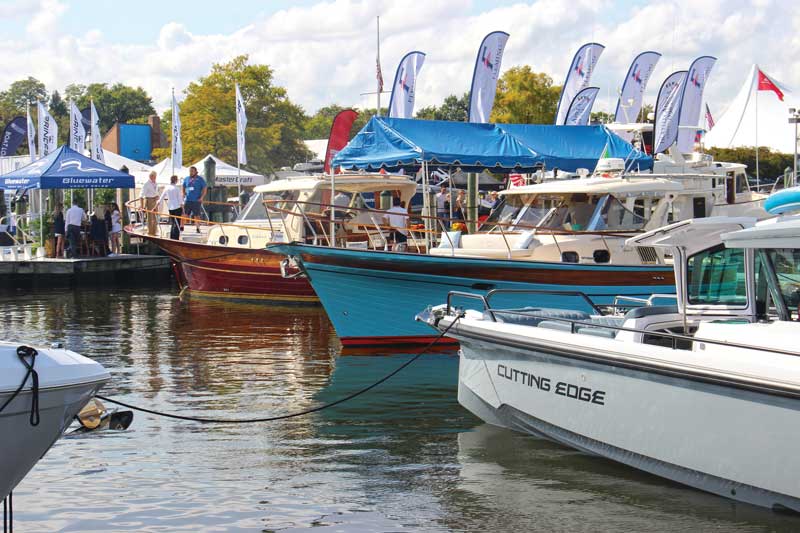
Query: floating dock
point(120, 269)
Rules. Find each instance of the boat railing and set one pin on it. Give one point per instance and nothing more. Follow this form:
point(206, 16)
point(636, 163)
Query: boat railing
point(646, 302)
point(674, 338)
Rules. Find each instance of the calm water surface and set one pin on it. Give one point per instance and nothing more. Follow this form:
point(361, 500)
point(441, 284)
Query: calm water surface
point(404, 457)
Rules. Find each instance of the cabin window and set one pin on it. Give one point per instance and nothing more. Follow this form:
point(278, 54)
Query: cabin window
point(787, 268)
point(242, 240)
point(716, 277)
point(741, 182)
point(223, 240)
point(614, 216)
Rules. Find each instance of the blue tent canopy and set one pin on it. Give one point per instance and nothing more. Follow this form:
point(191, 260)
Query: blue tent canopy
point(394, 143)
point(66, 169)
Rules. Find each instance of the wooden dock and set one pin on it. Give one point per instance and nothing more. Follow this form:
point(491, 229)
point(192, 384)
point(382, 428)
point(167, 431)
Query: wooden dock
point(120, 269)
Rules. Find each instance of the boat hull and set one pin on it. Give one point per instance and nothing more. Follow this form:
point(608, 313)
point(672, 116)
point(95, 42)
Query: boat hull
point(372, 297)
point(701, 434)
point(22, 444)
point(234, 274)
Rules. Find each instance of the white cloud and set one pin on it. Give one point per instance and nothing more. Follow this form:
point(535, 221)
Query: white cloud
point(325, 53)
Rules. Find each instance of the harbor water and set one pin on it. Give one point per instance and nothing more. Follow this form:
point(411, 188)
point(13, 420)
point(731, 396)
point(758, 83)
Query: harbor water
point(403, 457)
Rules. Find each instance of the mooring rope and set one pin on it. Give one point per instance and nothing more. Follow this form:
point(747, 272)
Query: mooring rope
point(22, 353)
point(355, 394)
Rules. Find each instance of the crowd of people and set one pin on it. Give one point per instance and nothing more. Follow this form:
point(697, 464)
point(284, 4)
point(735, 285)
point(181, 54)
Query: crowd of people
point(77, 233)
point(487, 202)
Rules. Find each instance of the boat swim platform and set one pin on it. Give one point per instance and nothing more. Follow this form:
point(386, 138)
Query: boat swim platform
point(121, 270)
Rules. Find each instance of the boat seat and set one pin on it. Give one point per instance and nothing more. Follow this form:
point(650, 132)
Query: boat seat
point(533, 316)
point(597, 331)
point(641, 312)
point(556, 325)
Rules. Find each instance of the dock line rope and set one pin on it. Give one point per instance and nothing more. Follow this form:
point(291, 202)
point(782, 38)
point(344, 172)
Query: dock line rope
point(22, 353)
point(290, 415)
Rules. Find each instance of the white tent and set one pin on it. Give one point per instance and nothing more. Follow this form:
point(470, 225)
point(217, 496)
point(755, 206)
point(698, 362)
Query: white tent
point(139, 171)
point(228, 174)
point(164, 171)
point(317, 147)
point(738, 126)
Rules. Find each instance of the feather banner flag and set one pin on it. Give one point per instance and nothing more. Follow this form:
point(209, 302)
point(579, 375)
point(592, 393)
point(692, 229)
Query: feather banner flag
point(578, 78)
point(97, 149)
point(31, 135)
point(13, 134)
point(668, 106)
point(48, 131)
point(177, 148)
point(484, 76)
point(632, 93)
point(77, 133)
point(581, 108)
point(241, 124)
point(339, 136)
point(691, 101)
point(401, 103)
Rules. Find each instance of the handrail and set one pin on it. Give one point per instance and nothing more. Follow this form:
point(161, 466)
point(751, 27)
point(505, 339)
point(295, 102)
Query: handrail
point(674, 337)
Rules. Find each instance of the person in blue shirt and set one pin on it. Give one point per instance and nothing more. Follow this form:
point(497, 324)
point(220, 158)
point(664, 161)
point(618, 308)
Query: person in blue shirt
point(194, 190)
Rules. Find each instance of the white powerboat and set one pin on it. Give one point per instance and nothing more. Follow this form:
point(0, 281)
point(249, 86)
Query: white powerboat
point(41, 391)
point(705, 393)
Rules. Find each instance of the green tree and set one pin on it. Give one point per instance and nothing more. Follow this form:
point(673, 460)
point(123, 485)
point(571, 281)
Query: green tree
point(24, 92)
point(453, 108)
point(525, 97)
point(646, 110)
point(275, 126)
point(770, 164)
point(115, 103)
point(318, 126)
point(601, 117)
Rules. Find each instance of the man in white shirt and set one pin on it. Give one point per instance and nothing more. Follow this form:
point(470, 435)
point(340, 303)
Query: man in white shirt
point(73, 219)
point(149, 196)
point(174, 198)
point(397, 218)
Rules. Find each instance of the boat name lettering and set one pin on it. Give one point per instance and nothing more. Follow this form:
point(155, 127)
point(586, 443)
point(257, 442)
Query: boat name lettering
point(569, 390)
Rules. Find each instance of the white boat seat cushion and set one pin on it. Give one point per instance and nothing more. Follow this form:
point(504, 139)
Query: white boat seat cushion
point(450, 239)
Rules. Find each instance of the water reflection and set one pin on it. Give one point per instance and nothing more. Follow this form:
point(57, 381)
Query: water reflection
point(403, 456)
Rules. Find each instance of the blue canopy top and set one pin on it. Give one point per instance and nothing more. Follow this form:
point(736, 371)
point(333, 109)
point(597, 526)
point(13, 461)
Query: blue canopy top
point(394, 143)
point(66, 169)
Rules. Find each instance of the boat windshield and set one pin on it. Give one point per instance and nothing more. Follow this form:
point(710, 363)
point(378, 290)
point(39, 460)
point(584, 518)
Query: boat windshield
point(515, 212)
point(571, 212)
point(786, 264)
point(256, 207)
point(613, 215)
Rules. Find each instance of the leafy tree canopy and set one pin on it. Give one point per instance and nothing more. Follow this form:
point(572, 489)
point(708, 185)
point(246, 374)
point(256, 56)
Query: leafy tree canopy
point(115, 103)
point(275, 125)
point(453, 108)
point(525, 97)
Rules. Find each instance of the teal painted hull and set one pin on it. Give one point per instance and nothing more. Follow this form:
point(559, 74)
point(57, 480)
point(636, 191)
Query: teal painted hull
point(372, 297)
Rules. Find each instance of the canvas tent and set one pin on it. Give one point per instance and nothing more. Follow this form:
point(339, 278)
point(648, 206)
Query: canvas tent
point(139, 171)
point(394, 143)
point(737, 125)
point(66, 169)
point(226, 173)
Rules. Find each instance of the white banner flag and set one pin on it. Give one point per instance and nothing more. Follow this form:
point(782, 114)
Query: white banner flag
point(77, 133)
point(581, 109)
point(48, 131)
point(630, 97)
point(401, 103)
point(484, 76)
point(31, 136)
point(692, 101)
point(241, 124)
point(177, 147)
point(668, 106)
point(97, 149)
point(578, 77)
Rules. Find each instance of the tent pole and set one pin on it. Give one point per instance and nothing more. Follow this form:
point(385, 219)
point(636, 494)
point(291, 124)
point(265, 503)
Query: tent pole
point(41, 220)
point(757, 173)
point(333, 211)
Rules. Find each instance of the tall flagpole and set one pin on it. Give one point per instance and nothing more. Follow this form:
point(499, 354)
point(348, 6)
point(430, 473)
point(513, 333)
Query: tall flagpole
point(378, 25)
point(238, 155)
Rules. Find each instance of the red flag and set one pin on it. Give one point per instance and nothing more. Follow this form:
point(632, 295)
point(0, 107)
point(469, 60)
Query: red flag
point(379, 75)
point(766, 84)
point(517, 180)
point(340, 135)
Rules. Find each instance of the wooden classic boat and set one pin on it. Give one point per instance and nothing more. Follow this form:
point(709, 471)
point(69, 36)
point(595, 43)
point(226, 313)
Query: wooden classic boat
point(230, 260)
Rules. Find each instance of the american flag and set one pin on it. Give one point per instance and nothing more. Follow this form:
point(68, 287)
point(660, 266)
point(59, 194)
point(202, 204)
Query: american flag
point(516, 180)
point(709, 118)
point(379, 74)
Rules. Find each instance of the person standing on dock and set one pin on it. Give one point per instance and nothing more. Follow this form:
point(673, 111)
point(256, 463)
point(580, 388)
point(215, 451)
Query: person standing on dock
point(194, 191)
point(174, 199)
point(74, 220)
point(59, 230)
point(149, 198)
